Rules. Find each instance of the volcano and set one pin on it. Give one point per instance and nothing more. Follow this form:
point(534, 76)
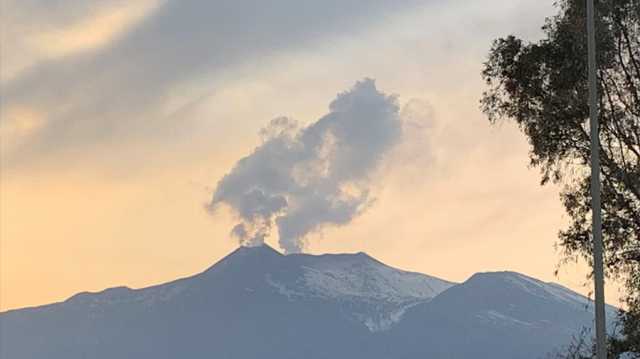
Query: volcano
point(259, 303)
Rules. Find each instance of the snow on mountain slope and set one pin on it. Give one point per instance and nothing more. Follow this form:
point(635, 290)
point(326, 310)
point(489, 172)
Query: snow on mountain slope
point(499, 315)
point(501, 294)
point(362, 276)
point(375, 294)
point(548, 290)
point(117, 295)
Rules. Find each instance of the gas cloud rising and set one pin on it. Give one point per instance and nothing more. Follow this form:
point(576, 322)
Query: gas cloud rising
point(301, 179)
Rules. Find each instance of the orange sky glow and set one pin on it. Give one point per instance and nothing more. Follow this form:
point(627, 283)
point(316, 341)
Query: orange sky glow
point(454, 198)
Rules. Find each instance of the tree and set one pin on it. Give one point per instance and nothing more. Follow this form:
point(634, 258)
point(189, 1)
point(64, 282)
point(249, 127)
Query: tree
point(542, 86)
point(578, 348)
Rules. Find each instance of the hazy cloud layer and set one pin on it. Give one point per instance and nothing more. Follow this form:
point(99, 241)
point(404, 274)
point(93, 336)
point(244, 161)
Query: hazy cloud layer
point(304, 179)
point(121, 89)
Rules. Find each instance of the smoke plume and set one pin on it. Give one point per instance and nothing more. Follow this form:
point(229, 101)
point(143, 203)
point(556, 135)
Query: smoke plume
point(301, 179)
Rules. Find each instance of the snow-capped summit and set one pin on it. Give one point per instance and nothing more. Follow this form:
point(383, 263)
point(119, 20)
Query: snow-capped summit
point(370, 292)
point(535, 287)
point(373, 293)
point(359, 275)
point(354, 276)
point(499, 315)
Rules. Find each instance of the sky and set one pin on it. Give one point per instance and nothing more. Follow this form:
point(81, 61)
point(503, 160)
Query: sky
point(118, 120)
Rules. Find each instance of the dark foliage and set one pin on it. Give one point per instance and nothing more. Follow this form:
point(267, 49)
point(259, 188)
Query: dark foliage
point(542, 86)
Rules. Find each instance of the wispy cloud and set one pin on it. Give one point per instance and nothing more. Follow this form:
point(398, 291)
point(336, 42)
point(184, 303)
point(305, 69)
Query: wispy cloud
point(118, 90)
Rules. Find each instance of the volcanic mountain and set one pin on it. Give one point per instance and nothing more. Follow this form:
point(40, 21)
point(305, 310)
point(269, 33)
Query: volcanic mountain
point(258, 303)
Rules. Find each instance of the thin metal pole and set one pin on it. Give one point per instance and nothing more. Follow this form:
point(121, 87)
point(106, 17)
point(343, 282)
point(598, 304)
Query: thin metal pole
point(598, 267)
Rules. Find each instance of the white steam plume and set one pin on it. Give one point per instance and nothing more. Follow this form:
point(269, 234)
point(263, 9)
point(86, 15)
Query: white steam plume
point(302, 179)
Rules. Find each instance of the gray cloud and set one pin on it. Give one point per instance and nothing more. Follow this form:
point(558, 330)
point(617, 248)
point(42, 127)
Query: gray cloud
point(302, 179)
point(116, 91)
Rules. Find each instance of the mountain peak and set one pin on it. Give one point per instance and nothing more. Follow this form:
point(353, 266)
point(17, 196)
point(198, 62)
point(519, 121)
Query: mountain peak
point(246, 257)
point(261, 249)
point(525, 284)
point(501, 275)
point(252, 253)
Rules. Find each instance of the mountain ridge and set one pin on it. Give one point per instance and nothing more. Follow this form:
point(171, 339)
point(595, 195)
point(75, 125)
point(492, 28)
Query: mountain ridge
point(285, 305)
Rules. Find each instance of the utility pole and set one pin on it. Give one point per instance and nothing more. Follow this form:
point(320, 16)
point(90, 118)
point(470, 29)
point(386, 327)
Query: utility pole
point(598, 266)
